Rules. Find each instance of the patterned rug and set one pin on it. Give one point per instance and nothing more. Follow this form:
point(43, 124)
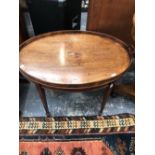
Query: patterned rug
point(64, 148)
point(95, 135)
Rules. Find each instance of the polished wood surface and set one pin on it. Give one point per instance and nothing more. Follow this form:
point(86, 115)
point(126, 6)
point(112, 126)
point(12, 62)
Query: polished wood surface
point(113, 17)
point(127, 89)
point(73, 58)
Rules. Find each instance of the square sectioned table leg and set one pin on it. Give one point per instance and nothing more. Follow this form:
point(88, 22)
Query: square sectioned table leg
point(42, 95)
point(106, 95)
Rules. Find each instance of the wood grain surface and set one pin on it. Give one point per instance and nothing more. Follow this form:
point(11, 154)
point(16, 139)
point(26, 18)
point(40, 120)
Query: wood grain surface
point(113, 17)
point(73, 58)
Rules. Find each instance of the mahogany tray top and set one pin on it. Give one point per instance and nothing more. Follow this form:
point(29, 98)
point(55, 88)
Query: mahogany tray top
point(73, 59)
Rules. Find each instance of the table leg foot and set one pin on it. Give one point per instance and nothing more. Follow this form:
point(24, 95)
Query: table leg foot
point(42, 95)
point(106, 95)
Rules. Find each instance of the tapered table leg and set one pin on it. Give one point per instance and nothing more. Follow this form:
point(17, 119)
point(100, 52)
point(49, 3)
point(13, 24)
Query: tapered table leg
point(42, 95)
point(106, 95)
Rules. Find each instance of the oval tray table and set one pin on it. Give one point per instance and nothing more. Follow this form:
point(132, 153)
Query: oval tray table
point(74, 61)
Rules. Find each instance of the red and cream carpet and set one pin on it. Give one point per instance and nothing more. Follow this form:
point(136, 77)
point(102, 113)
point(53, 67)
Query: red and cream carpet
point(95, 135)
